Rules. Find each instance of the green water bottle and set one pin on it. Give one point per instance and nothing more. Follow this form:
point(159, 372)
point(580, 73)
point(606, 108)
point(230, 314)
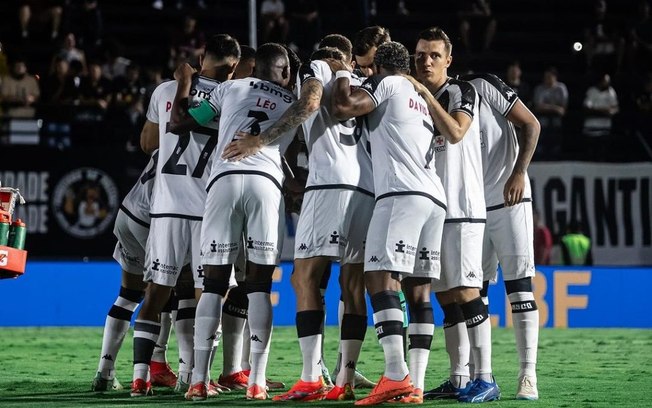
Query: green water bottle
point(17, 233)
point(4, 232)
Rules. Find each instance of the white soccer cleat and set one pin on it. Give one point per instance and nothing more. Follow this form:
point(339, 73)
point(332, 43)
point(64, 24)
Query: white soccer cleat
point(527, 389)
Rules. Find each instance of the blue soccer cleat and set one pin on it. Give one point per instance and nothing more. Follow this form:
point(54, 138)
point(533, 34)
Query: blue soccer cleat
point(481, 391)
point(446, 391)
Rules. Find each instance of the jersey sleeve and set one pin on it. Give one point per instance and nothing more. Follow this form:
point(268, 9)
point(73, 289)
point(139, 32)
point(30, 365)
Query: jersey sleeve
point(499, 96)
point(207, 109)
point(318, 70)
point(152, 109)
point(379, 88)
point(465, 99)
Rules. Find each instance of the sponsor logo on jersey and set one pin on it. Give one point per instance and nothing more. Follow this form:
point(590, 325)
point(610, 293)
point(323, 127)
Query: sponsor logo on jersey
point(424, 254)
point(400, 247)
point(164, 268)
point(272, 89)
point(403, 248)
point(85, 202)
point(334, 238)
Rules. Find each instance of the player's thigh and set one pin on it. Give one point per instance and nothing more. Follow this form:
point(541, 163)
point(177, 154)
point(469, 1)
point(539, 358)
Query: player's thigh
point(428, 256)
point(320, 225)
point(356, 219)
point(512, 234)
point(461, 256)
point(130, 249)
point(489, 258)
point(262, 206)
point(394, 233)
point(223, 222)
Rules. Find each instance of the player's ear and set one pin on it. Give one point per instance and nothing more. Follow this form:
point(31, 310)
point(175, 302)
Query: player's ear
point(233, 67)
point(286, 72)
point(201, 59)
point(449, 60)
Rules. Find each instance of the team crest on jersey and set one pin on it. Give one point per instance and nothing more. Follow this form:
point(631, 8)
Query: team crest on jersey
point(85, 202)
point(440, 144)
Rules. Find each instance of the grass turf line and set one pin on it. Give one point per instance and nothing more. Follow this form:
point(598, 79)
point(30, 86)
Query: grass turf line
point(53, 367)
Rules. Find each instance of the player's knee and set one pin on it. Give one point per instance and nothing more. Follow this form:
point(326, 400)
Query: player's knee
point(216, 286)
point(518, 285)
point(264, 286)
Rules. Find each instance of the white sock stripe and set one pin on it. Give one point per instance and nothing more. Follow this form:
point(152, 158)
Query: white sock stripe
point(520, 296)
point(388, 315)
point(145, 335)
point(421, 328)
point(125, 304)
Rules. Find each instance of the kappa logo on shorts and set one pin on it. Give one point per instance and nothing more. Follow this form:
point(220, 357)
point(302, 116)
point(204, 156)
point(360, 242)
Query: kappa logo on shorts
point(255, 338)
point(400, 247)
point(471, 275)
point(335, 238)
point(303, 247)
point(373, 258)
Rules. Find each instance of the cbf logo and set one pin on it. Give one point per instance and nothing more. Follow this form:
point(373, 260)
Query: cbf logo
point(85, 202)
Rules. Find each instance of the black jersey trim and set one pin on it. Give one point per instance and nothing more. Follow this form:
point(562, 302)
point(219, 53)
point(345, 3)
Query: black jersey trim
point(340, 187)
point(133, 217)
point(469, 220)
point(250, 172)
point(499, 206)
point(416, 193)
point(175, 215)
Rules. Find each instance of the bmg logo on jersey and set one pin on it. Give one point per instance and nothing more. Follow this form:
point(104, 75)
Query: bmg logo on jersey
point(272, 89)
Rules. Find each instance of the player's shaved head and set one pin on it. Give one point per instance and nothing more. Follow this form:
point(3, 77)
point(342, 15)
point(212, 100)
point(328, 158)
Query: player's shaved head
point(436, 34)
point(222, 46)
point(272, 63)
point(340, 42)
point(328, 52)
point(393, 56)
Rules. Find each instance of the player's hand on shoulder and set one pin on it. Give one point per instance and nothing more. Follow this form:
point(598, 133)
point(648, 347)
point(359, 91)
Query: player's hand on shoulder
point(184, 72)
point(337, 65)
point(418, 86)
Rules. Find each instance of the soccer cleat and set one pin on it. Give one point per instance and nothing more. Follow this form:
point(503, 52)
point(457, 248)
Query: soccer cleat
point(386, 390)
point(256, 392)
point(446, 391)
point(360, 381)
point(326, 375)
point(214, 388)
point(162, 375)
point(197, 392)
point(235, 381)
point(181, 386)
point(527, 389)
point(340, 393)
point(415, 397)
point(141, 388)
point(481, 391)
point(102, 384)
point(270, 384)
point(304, 391)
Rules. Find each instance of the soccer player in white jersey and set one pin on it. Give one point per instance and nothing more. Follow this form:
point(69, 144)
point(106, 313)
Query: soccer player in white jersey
point(177, 210)
point(335, 214)
point(459, 163)
point(508, 237)
point(131, 228)
point(243, 197)
point(404, 236)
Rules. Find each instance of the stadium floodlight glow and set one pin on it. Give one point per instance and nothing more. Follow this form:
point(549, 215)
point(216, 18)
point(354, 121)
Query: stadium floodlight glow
point(577, 46)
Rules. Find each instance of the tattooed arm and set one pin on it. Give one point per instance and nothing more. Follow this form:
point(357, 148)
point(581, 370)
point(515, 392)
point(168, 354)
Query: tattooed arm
point(247, 144)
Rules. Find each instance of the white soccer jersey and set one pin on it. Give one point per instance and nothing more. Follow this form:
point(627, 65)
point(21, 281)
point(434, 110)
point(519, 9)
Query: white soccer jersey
point(401, 134)
point(136, 203)
point(499, 140)
point(337, 150)
point(184, 160)
point(460, 165)
point(251, 105)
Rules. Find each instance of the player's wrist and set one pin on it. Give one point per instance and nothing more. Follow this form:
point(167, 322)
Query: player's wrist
point(343, 74)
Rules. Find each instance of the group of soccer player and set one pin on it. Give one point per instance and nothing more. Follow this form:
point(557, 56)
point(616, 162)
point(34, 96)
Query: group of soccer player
point(415, 184)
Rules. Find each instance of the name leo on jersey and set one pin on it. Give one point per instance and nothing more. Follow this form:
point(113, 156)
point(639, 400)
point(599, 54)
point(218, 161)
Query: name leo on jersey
point(265, 104)
point(419, 107)
point(287, 98)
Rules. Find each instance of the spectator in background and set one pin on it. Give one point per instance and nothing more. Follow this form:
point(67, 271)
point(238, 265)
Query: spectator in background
point(604, 43)
point(89, 27)
point(600, 105)
point(70, 52)
point(305, 24)
point(54, 84)
point(95, 89)
point(401, 9)
point(115, 65)
point(550, 103)
point(186, 44)
point(46, 12)
point(542, 240)
point(19, 91)
point(275, 25)
point(153, 77)
point(514, 80)
point(127, 109)
point(640, 38)
point(477, 13)
point(245, 67)
point(575, 246)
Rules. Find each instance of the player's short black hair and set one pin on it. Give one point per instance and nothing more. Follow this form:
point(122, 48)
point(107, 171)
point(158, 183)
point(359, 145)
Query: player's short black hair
point(436, 34)
point(295, 62)
point(327, 52)
point(339, 42)
point(369, 37)
point(247, 52)
point(393, 56)
point(222, 46)
point(267, 56)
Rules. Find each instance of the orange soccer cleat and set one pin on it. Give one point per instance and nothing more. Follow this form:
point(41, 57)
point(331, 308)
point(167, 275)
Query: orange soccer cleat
point(386, 390)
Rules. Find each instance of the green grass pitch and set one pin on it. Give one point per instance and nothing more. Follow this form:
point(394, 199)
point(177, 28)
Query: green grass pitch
point(53, 367)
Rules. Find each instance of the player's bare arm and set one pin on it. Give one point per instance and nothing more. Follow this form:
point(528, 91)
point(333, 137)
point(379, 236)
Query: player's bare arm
point(347, 103)
point(247, 144)
point(180, 120)
point(452, 125)
point(149, 137)
point(528, 137)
